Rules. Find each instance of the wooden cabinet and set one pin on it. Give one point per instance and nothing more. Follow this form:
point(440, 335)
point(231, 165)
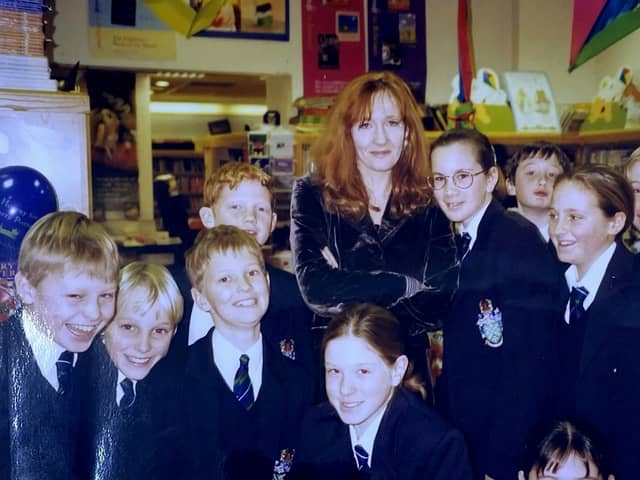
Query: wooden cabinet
point(49, 132)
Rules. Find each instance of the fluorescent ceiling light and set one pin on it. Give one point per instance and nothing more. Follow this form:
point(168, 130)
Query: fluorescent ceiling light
point(161, 83)
point(194, 108)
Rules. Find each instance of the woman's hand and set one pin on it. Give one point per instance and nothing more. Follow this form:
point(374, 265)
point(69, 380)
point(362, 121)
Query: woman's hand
point(329, 258)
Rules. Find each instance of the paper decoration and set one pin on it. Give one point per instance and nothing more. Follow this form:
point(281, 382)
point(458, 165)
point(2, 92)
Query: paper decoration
point(532, 103)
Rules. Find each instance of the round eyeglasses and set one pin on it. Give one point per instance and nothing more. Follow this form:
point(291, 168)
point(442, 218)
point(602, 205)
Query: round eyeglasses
point(461, 179)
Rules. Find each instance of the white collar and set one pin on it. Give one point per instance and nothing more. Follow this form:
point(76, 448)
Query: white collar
point(591, 279)
point(199, 324)
point(45, 350)
point(474, 224)
point(368, 437)
point(226, 357)
point(119, 391)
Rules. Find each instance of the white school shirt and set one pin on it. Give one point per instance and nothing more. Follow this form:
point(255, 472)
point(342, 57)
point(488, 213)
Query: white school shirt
point(591, 280)
point(474, 223)
point(368, 437)
point(200, 323)
point(120, 391)
point(227, 358)
point(45, 351)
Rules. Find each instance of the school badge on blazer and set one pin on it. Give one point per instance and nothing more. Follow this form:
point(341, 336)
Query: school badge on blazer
point(490, 324)
point(283, 465)
point(288, 348)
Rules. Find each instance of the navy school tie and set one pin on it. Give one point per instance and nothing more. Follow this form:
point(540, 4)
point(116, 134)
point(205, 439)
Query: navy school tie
point(242, 388)
point(362, 457)
point(462, 244)
point(64, 370)
point(576, 300)
point(129, 394)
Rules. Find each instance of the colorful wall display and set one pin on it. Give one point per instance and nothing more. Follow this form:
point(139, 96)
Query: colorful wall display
point(397, 41)
point(333, 44)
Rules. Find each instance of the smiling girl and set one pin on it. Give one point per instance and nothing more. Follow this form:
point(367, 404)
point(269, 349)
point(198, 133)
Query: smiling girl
point(375, 423)
point(599, 359)
point(498, 337)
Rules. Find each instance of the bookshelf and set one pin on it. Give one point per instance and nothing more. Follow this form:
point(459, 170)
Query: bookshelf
point(187, 166)
point(579, 145)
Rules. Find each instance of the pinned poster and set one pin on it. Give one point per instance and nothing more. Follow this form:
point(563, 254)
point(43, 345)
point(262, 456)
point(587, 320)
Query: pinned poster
point(333, 42)
point(397, 41)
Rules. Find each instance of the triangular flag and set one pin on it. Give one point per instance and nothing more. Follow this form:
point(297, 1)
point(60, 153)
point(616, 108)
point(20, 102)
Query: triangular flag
point(585, 15)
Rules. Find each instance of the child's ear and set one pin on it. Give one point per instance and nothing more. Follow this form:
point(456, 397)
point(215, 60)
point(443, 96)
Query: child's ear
point(399, 369)
point(616, 224)
point(274, 221)
point(26, 292)
point(200, 300)
point(206, 215)
point(511, 188)
point(492, 179)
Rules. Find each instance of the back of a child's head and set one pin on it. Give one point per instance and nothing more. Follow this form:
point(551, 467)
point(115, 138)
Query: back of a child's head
point(540, 149)
point(557, 441)
point(219, 240)
point(68, 241)
point(143, 286)
point(230, 175)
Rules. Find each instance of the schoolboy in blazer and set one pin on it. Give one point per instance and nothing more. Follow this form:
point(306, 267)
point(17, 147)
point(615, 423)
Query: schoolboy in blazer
point(240, 194)
point(599, 376)
point(125, 419)
point(242, 425)
point(66, 281)
point(500, 333)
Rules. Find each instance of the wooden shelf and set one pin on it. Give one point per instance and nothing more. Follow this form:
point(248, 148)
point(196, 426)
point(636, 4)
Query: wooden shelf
point(603, 137)
point(177, 153)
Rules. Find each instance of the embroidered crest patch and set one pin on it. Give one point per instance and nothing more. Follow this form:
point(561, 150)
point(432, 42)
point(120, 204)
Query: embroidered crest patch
point(288, 348)
point(283, 465)
point(490, 324)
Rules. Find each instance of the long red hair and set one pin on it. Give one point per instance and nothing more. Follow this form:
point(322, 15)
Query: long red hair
point(334, 152)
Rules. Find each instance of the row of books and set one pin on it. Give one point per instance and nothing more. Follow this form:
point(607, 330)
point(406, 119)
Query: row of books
point(23, 64)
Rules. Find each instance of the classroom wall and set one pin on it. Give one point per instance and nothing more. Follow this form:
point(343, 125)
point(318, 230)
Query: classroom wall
point(507, 34)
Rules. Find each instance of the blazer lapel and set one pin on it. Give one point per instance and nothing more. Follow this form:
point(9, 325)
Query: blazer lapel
point(609, 302)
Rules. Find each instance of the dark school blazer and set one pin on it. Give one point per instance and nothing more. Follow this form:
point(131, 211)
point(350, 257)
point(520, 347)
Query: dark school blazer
point(412, 443)
point(496, 390)
point(227, 441)
point(287, 317)
point(114, 442)
point(38, 426)
point(607, 384)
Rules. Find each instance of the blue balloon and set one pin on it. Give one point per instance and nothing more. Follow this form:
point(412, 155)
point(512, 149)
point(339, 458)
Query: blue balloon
point(25, 196)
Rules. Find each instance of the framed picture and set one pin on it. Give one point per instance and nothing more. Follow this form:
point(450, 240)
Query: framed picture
point(532, 103)
point(251, 19)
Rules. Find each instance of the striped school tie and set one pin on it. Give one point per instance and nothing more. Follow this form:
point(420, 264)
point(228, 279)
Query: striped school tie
point(463, 241)
point(362, 457)
point(242, 388)
point(576, 300)
point(64, 371)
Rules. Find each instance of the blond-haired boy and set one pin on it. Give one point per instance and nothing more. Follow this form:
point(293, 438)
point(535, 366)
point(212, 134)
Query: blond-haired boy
point(67, 281)
point(126, 402)
point(245, 400)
